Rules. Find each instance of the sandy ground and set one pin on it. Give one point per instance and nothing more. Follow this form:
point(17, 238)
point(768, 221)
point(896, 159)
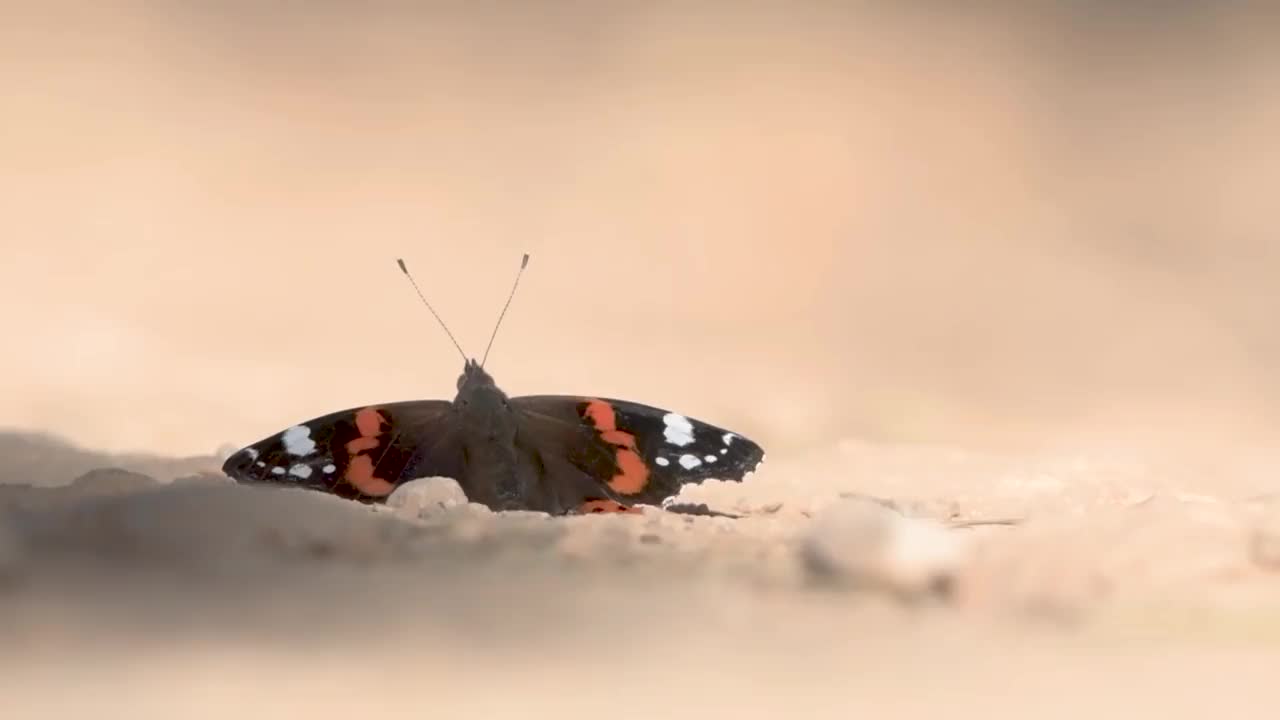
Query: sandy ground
point(899, 581)
point(873, 236)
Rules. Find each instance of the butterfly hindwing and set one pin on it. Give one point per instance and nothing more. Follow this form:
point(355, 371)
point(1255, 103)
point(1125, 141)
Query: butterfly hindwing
point(361, 453)
point(638, 454)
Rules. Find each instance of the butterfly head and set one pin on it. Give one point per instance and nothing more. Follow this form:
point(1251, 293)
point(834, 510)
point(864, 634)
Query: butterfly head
point(481, 407)
point(474, 376)
point(476, 387)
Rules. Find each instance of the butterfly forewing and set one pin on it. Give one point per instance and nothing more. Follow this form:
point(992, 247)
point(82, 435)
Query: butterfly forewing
point(637, 453)
point(361, 453)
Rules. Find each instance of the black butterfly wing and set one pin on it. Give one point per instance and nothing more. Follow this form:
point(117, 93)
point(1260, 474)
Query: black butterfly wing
point(360, 454)
point(636, 454)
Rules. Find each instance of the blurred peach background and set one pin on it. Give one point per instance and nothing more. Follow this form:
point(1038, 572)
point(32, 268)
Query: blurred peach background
point(1012, 223)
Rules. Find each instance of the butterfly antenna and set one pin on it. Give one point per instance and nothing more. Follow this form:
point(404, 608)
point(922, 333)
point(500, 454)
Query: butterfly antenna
point(405, 270)
point(523, 264)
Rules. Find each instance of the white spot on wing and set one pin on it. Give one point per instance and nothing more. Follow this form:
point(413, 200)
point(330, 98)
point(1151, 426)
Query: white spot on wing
point(328, 469)
point(260, 464)
point(679, 430)
point(277, 471)
point(663, 461)
point(297, 440)
point(300, 471)
point(710, 458)
point(252, 453)
point(728, 438)
point(689, 462)
point(724, 451)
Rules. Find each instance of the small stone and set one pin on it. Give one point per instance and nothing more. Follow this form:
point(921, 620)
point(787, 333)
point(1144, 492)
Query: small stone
point(865, 543)
point(427, 496)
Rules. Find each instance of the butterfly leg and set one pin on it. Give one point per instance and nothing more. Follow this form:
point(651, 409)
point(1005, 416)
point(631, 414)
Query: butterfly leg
point(697, 509)
point(593, 507)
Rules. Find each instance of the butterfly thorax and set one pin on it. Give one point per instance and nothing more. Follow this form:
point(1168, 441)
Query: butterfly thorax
point(488, 436)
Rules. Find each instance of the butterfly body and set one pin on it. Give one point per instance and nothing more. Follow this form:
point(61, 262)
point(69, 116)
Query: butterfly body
point(556, 454)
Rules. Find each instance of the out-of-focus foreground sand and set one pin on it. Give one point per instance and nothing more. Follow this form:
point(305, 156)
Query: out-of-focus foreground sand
point(1129, 586)
point(1000, 262)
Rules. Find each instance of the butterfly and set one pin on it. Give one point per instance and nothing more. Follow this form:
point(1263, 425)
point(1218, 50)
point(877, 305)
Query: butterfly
point(556, 454)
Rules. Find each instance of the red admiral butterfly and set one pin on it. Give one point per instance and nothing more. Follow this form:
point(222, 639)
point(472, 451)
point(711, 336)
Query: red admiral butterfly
point(556, 454)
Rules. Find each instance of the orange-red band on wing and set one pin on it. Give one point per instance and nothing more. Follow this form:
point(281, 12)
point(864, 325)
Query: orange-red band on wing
point(360, 475)
point(360, 444)
point(632, 474)
point(369, 422)
point(360, 467)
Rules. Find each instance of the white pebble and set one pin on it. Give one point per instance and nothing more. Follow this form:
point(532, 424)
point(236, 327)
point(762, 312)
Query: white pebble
point(863, 543)
point(427, 496)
